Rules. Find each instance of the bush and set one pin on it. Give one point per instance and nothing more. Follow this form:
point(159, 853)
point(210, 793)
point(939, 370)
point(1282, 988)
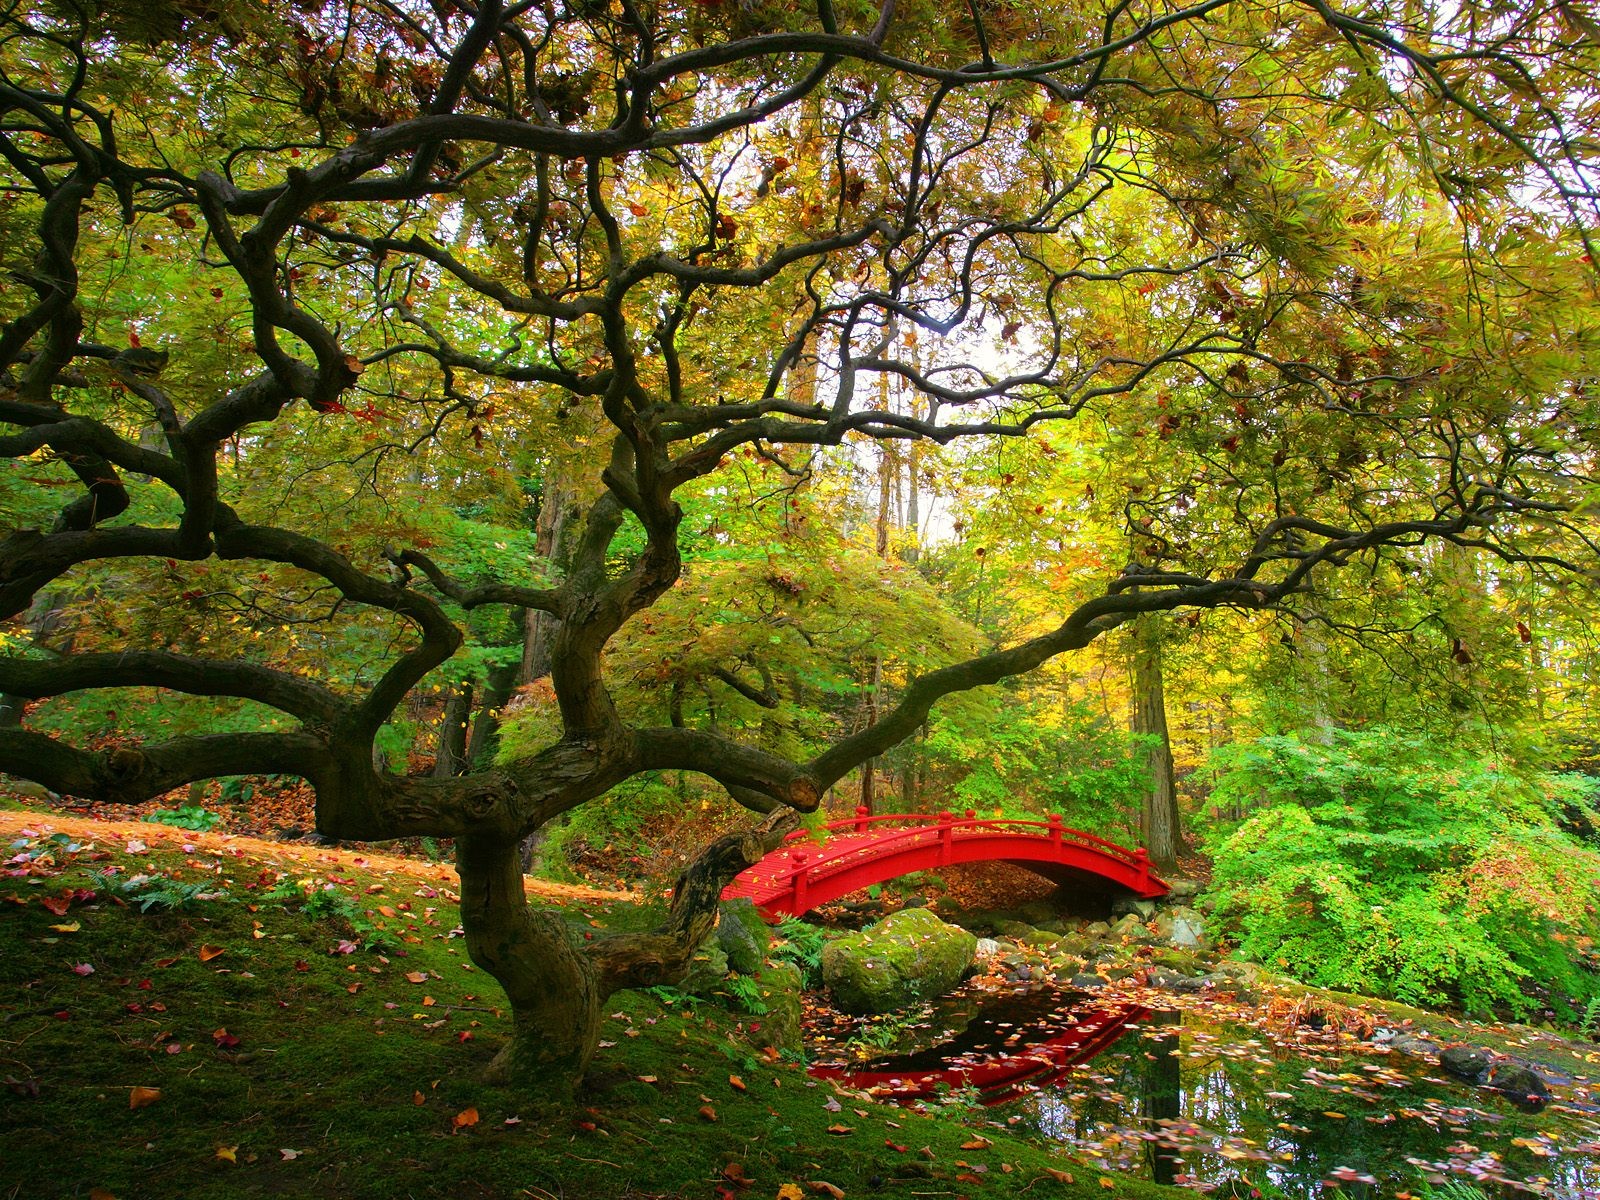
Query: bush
point(1384, 863)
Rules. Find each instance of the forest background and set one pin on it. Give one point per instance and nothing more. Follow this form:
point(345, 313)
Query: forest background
point(695, 395)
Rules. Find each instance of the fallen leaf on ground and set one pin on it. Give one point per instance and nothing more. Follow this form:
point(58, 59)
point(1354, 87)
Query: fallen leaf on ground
point(139, 1097)
point(736, 1083)
point(417, 976)
point(823, 1188)
point(82, 969)
point(228, 1154)
point(290, 1155)
point(464, 1118)
point(708, 1113)
point(207, 953)
point(790, 1191)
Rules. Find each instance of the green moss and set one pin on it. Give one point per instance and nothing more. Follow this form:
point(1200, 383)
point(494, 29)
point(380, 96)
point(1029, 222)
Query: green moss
point(909, 956)
point(342, 1060)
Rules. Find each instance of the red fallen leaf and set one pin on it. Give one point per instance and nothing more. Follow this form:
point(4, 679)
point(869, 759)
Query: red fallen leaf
point(464, 1036)
point(224, 1039)
point(464, 1118)
point(417, 976)
point(734, 1174)
point(588, 1126)
point(895, 1146)
point(63, 1015)
point(707, 1113)
point(82, 969)
point(207, 953)
point(141, 1097)
point(164, 963)
point(968, 1177)
point(56, 905)
point(301, 964)
point(418, 1099)
point(134, 1007)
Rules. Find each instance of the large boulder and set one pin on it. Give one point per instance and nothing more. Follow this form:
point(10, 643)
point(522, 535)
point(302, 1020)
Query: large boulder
point(742, 935)
point(1181, 927)
point(907, 957)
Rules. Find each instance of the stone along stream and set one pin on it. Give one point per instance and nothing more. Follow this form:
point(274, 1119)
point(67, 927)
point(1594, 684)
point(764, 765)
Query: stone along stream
point(1183, 1091)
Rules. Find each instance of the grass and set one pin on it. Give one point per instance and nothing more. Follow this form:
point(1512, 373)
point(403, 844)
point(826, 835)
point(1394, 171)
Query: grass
point(291, 1062)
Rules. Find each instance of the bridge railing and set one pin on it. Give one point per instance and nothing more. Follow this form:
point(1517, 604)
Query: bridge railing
point(948, 824)
point(946, 827)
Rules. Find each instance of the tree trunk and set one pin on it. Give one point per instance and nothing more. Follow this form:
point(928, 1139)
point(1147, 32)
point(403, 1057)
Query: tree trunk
point(553, 987)
point(557, 985)
point(1158, 817)
point(451, 757)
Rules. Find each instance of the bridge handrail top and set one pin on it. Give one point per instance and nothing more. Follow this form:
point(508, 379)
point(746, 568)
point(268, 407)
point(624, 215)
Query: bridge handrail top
point(930, 823)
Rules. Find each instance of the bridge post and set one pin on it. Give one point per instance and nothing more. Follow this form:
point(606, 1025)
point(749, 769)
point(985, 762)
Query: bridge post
point(947, 837)
point(1141, 859)
point(1055, 831)
point(862, 813)
point(797, 860)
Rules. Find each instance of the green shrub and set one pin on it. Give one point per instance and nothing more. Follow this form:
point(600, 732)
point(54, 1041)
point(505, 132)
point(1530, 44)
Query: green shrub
point(190, 816)
point(1383, 863)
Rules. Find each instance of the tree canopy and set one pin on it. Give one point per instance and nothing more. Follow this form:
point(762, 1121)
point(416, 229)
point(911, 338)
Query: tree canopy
point(1313, 286)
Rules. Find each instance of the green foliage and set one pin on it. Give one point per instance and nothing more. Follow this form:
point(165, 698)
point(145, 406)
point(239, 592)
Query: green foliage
point(995, 751)
point(746, 993)
point(621, 821)
point(331, 904)
point(1381, 862)
point(148, 892)
point(190, 816)
point(801, 944)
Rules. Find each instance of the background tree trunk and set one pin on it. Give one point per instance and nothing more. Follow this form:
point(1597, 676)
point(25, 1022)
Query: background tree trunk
point(1158, 817)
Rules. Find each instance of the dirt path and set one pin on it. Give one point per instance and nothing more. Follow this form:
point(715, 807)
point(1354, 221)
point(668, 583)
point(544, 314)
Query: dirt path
point(14, 823)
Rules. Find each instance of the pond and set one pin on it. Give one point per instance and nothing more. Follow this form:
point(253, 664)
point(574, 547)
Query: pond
point(1192, 1098)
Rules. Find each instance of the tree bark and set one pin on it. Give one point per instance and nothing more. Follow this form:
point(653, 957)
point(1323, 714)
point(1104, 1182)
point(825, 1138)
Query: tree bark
point(1158, 816)
point(451, 757)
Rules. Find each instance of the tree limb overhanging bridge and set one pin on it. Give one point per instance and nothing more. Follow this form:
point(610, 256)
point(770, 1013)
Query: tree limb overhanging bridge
point(866, 849)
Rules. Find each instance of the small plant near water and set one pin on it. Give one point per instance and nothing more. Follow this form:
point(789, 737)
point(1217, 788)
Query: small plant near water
point(747, 993)
point(1589, 1026)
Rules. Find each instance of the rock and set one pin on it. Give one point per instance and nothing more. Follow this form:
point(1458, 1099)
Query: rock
point(1015, 930)
point(1144, 909)
point(1182, 889)
point(986, 948)
point(1037, 912)
point(1129, 926)
point(1074, 943)
point(1518, 1083)
point(915, 902)
point(707, 970)
point(1465, 1062)
point(742, 935)
point(1181, 927)
point(779, 1027)
point(1097, 929)
point(1178, 960)
point(1087, 982)
point(1040, 940)
point(910, 956)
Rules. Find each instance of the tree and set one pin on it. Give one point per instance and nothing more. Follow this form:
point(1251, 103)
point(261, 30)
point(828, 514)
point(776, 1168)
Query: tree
point(1334, 255)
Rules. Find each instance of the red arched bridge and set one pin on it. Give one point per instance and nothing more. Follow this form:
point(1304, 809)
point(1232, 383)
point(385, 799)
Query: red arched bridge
point(864, 850)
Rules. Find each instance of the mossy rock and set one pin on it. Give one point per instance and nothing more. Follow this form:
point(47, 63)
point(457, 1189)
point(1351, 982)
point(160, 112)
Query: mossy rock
point(781, 987)
point(743, 936)
point(707, 970)
point(907, 957)
point(1015, 930)
point(1040, 940)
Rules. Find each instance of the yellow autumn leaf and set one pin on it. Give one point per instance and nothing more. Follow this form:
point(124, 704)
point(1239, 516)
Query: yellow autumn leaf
point(228, 1153)
point(790, 1191)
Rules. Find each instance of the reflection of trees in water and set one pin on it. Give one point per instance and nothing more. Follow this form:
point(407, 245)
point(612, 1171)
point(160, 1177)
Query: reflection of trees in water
point(1163, 1095)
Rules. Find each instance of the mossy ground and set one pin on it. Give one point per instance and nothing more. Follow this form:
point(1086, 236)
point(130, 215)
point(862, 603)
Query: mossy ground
point(354, 1073)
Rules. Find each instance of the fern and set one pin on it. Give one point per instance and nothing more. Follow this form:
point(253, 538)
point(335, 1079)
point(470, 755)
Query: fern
point(801, 945)
point(1589, 1025)
point(747, 993)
